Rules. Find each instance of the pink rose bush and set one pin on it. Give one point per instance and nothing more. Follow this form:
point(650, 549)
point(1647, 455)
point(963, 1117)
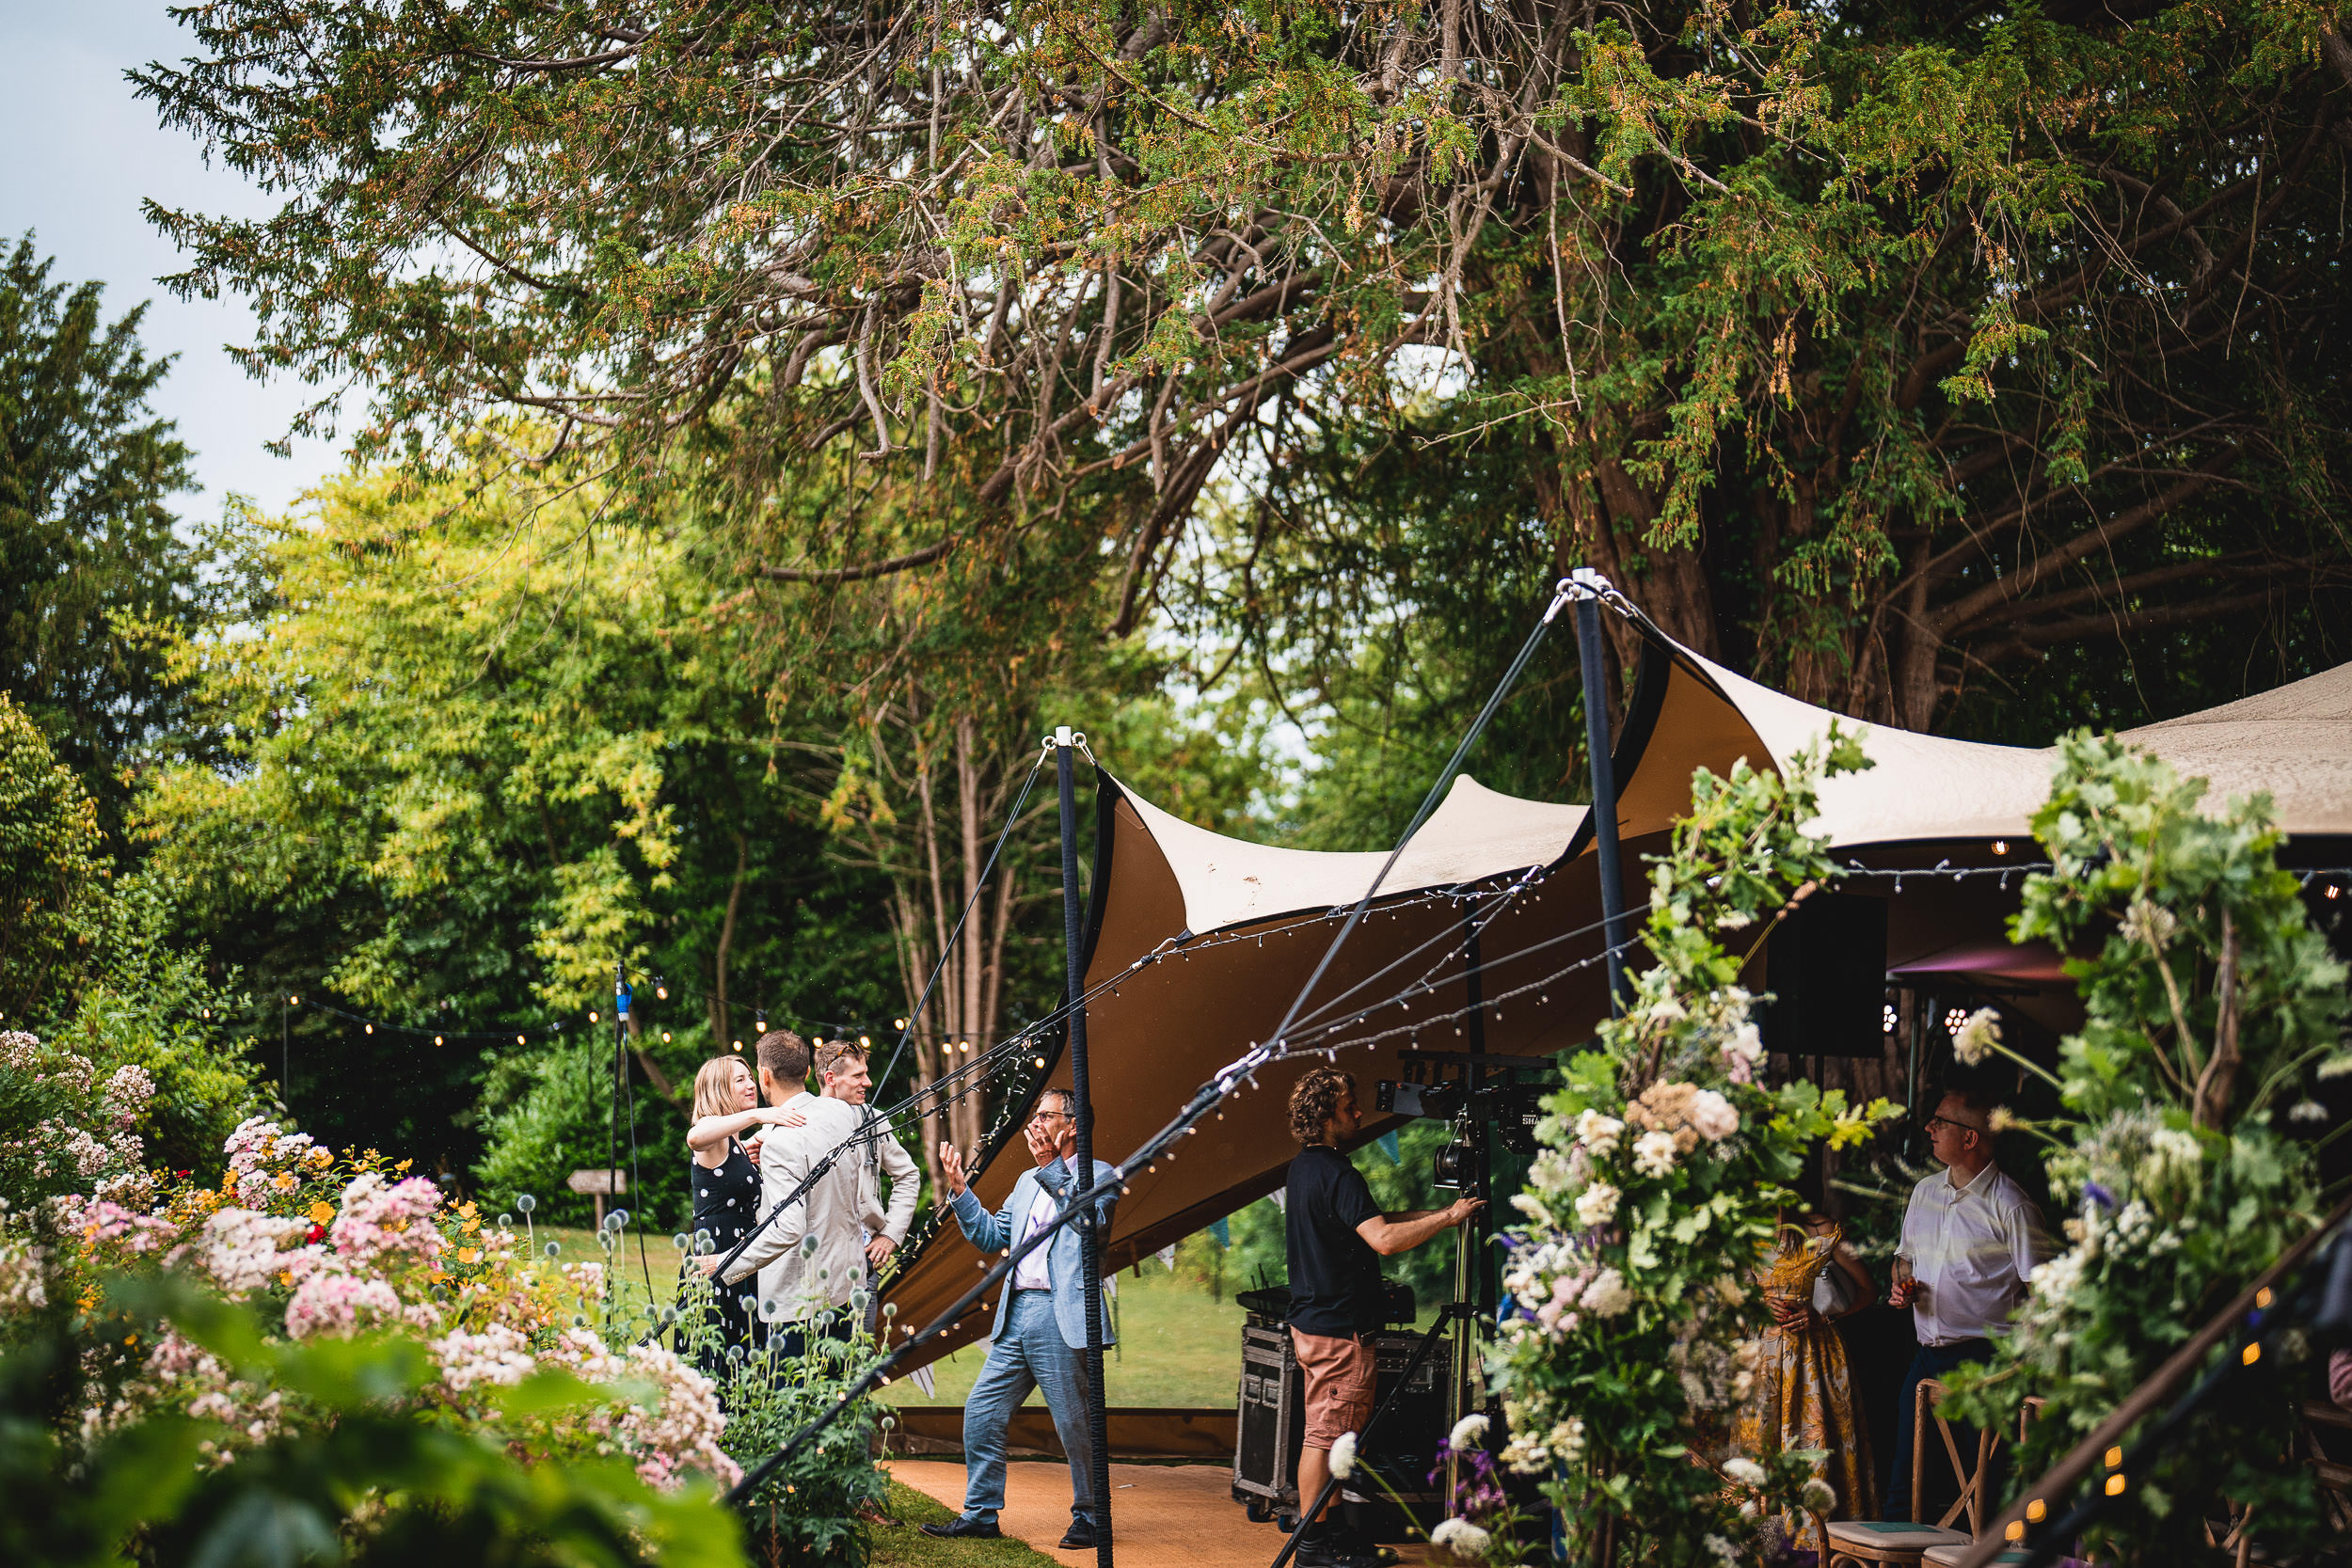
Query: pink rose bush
point(327, 1249)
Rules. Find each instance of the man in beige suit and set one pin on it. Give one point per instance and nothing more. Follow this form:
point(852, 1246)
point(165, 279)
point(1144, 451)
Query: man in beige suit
point(814, 1253)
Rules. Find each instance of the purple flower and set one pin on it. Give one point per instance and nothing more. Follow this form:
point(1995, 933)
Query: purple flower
point(2098, 1194)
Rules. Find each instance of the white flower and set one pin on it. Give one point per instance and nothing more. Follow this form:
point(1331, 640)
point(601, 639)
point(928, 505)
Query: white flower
point(1734, 920)
point(1596, 1204)
point(1743, 1472)
point(2152, 924)
point(2307, 1110)
point(1599, 1133)
point(1607, 1295)
point(1747, 1042)
point(1344, 1456)
point(1712, 1115)
point(1667, 1010)
point(1566, 1439)
point(1468, 1432)
point(1721, 1549)
point(1654, 1153)
point(2055, 1279)
point(1976, 1038)
point(1524, 1456)
point(1460, 1536)
point(1818, 1495)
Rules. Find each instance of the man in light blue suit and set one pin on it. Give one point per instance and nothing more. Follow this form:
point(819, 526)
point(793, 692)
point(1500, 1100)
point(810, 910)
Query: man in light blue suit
point(1038, 1339)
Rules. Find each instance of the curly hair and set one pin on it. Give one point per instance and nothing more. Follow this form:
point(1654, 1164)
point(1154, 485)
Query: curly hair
point(1315, 1098)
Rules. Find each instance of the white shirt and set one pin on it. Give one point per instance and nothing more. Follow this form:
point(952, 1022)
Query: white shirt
point(1972, 1248)
point(1031, 1273)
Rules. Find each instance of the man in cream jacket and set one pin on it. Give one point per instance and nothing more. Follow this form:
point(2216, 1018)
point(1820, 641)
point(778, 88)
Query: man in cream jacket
point(815, 1253)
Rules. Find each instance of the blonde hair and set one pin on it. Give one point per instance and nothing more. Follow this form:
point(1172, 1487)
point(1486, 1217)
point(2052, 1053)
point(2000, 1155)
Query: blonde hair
point(714, 1086)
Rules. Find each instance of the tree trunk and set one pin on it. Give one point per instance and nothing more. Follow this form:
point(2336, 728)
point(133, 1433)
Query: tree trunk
point(721, 1023)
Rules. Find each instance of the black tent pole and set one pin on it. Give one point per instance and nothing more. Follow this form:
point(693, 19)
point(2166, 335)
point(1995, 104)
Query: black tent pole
point(1589, 587)
point(1089, 1238)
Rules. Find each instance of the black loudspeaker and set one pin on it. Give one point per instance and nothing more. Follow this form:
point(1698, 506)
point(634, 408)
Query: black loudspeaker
point(1826, 969)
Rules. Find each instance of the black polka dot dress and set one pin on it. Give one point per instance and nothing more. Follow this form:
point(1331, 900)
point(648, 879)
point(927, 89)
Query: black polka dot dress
point(726, 1206)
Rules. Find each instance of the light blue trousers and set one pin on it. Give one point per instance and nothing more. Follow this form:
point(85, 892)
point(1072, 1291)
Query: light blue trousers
point(1031, 1354)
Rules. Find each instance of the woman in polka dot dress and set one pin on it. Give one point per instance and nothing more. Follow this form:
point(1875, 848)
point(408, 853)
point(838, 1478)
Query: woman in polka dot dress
point(725, 1175)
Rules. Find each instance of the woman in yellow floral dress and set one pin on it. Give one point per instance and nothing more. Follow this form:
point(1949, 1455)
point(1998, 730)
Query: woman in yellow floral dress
point(1804, 1397)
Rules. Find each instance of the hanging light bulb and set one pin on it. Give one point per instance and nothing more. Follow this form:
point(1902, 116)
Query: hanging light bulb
point(436, 1040)
point(661, 989)
point(738, 1045)
point(2000, 846)
point(665, 1037)
point(293, 1001)
point(371, 1028)
point(592, 1015)
point(867, 1041)
point(760, 1021)
point(898, 1024)
point(518, 1040)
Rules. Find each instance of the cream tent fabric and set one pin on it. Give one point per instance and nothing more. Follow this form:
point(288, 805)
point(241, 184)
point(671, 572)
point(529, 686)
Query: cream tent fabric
point(1202, 940)
point(1474, 833)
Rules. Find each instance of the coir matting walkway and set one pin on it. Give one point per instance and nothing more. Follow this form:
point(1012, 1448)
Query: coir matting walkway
point(1163, 1515)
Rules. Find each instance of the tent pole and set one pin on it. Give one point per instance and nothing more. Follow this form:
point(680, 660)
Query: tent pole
point(1588, 654)
point(1090, 1240)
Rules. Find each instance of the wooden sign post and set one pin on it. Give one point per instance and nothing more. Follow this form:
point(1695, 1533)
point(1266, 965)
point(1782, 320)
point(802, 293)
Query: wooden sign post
point(601, 1184)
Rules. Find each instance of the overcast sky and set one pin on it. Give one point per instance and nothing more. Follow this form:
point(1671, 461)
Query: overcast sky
point(81, 151)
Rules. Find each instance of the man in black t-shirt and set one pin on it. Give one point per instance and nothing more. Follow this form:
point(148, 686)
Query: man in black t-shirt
point(1337, 1236)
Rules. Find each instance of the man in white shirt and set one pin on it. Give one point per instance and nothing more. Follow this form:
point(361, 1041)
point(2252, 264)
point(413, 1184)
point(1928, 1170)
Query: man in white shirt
point(1971, 1238)
point(799, 1282)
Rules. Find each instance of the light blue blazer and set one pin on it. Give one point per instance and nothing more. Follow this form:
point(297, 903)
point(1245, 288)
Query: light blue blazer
point(1065, 1262)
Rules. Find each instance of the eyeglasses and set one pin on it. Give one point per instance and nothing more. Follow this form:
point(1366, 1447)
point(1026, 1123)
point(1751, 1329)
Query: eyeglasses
point(1955, 1126)
point(1048, 1116)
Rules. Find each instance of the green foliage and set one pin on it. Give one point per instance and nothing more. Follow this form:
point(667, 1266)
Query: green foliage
point(1806, 325)
point(93, 564)
point(487, 746)
point(52, 874)
point(818, 1506)
point(90, 963)
point(1661, 1186)
point(2209, 1002)
point(561, 1121)
point(375, 1483)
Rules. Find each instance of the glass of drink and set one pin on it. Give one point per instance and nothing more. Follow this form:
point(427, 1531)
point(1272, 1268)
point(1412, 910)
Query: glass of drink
point(1902, 1272)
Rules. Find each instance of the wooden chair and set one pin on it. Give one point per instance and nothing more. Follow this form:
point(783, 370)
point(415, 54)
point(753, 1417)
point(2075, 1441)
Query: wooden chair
point(1889, 1544)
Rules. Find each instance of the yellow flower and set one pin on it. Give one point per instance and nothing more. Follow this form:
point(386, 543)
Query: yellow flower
point(285, 1181)
point(467, 1255)
point(404, 1165)
point(470, 1227)
point(321, 1212)
point(467, 1209)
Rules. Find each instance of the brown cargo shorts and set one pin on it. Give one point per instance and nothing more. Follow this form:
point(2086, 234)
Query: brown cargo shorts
point(1342, 1376)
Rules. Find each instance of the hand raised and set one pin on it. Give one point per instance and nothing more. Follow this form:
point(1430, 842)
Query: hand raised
point(951, 1169)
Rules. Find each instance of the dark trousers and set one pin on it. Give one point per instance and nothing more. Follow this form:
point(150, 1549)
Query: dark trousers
point(1927, 1362)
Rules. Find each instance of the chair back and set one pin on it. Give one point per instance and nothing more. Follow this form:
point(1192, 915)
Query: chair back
point(1969, 1471)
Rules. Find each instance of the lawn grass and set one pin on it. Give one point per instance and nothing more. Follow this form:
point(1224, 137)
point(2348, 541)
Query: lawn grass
point(901, 1543)
point(661, 1257)
point(1178, 1346)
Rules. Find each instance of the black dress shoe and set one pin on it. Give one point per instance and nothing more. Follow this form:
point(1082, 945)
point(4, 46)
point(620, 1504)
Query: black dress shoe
point(960, 1529)
point(1081, 1537)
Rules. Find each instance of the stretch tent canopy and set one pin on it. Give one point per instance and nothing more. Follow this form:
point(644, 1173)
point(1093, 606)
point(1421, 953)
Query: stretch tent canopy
point(1201, 940)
